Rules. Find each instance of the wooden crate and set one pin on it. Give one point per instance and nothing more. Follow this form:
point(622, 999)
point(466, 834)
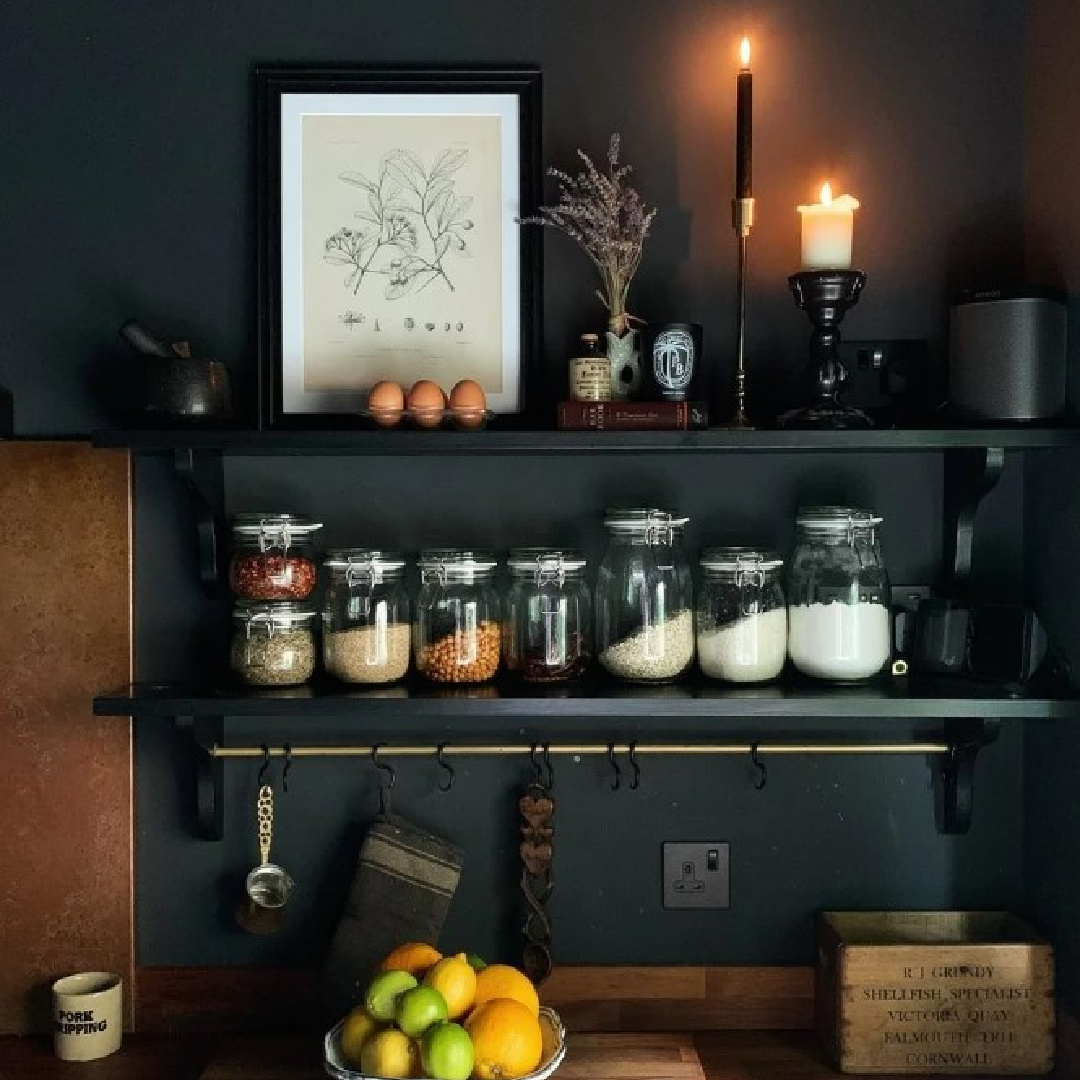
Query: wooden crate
point(952, 992)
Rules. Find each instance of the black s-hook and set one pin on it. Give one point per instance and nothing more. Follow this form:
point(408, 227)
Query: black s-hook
point(762, 772)
point(451, 776)
point(616, 781)
point(387, 779)
point(285, 770)
point(635, 781)
point(264, 769)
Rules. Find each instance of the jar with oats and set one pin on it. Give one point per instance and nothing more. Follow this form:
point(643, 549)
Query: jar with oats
point(273, 643)
point(367, 635)
point(273, 557)
point(645, 597)
point(457, 630)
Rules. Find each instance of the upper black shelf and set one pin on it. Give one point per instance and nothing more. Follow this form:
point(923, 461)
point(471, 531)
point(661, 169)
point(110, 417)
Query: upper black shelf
point(509, 441)
point(887, 699)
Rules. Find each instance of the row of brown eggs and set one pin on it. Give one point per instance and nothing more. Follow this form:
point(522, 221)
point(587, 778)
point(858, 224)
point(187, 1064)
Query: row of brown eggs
point(426, 402)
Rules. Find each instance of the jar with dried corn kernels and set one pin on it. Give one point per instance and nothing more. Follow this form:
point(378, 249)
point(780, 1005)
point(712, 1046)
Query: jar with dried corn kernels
point(456, 637)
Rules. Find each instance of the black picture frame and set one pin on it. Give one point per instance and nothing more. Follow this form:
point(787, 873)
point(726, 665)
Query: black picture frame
point(280, 86)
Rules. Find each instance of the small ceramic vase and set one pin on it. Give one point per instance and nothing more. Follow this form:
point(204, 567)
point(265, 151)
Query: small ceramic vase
point(624, 355)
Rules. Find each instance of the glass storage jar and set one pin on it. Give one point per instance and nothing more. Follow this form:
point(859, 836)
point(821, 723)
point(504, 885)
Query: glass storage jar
point(273, 557)
point(273, 643)
point(741, 615)
point(838, 595)
point(645, 597)
point(367, 634)
point(548, 627)
point(457, 629)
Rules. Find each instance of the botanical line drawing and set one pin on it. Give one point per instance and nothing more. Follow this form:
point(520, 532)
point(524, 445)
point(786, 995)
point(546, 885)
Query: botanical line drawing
point(414, 221)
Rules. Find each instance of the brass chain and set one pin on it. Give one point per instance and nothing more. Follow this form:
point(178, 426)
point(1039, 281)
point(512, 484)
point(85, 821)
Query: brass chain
point(265, 811)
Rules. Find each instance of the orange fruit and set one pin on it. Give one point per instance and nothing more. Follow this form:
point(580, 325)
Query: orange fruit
point(455, 979)
point(506, 1038)
point(415, 957)
point(504, 981)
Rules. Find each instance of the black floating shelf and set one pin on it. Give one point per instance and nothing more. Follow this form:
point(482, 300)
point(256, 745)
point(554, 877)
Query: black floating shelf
point(891, 699)
point(500, 440)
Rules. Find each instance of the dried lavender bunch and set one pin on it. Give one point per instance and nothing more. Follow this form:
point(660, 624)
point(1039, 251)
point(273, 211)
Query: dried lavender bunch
point(608, 221)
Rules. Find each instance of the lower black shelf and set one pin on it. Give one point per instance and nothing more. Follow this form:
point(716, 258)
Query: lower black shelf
point(889, 698)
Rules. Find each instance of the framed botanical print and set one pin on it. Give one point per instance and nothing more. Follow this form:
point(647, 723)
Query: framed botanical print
point(389, 243)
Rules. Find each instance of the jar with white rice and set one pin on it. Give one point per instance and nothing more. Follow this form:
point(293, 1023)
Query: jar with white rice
point(741, 615)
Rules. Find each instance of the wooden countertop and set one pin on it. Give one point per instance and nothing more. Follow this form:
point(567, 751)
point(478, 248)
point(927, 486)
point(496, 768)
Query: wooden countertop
point(735, 1055)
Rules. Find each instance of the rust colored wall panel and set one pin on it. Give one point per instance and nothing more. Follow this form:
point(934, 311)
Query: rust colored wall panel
point(66, 790)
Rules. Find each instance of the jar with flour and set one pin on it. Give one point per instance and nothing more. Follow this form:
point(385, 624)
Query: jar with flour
point(741, 615)
point(839, 625)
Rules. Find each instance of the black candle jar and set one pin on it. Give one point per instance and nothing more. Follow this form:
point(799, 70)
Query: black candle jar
point(672, 361)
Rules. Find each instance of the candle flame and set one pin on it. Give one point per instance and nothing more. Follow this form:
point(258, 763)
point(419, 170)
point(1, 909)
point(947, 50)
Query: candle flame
point(744, 54)
point(826, 194)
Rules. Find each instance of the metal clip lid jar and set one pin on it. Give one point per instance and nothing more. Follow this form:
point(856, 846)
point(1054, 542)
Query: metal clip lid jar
point(741, 615)
point(839, 625)
point(273, 557)
point(548, 627)
point(457, 631)
point(367, 635)
point(273, 643)
point(645, 597)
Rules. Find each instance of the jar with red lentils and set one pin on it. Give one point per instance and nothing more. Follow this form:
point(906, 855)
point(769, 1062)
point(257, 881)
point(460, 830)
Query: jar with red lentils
point(273, 557)
point(457, 633)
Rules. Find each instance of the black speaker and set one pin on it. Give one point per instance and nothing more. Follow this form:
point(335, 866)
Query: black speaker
point(1007, 354)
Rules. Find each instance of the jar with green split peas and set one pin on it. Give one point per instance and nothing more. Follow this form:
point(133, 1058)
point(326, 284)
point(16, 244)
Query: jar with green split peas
point(457, 632)
point(273, 644)
point(367, 635)
point(273, 557)
point(548, 625)
point(645, 597)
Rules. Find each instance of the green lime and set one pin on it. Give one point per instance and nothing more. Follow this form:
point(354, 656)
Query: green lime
point(446, 1052)
point(383, 993)
point(419, 1008)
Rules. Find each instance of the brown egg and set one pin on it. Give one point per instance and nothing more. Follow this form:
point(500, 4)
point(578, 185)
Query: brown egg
point(426, 402)
point(385, 402)
point(468, 403)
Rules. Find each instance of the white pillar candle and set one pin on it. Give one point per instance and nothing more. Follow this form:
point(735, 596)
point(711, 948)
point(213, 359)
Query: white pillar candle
point(827, 229)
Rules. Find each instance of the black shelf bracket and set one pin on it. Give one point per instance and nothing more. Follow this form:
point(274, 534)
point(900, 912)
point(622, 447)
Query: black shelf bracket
point(205, 732)
point(970, 475)
point(203, 477)
point(955, 802)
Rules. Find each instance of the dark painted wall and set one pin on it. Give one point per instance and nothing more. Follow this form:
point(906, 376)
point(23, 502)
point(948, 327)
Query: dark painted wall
point(1053, 506)
point(129, 192)
point(129, 181)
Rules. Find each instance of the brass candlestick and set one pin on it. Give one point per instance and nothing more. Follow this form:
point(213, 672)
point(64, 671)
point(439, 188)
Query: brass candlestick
point(742, 220)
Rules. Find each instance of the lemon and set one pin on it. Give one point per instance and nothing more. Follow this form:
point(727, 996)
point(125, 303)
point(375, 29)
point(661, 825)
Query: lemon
point(356, 1030)
point(390, 1054)
point(455, 979)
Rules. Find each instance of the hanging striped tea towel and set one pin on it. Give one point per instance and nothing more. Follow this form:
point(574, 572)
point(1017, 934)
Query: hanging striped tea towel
point(402, 889)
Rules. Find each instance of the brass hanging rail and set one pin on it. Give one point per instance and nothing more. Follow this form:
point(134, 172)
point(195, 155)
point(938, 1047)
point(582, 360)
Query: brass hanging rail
point(641, 749)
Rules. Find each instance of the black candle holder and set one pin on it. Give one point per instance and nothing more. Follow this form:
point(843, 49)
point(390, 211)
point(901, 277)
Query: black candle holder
point(825, 296)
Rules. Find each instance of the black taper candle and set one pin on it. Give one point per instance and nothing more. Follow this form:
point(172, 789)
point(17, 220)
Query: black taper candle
point(744, 133)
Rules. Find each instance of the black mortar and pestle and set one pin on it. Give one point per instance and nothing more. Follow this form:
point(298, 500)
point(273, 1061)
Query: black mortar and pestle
point(177, 386)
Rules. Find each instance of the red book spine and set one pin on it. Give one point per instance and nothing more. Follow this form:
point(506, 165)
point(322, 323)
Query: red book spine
point(631, 415)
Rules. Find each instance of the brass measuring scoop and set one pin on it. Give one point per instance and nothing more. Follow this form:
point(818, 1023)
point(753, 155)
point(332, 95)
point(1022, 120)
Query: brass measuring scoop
point(268, 885)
